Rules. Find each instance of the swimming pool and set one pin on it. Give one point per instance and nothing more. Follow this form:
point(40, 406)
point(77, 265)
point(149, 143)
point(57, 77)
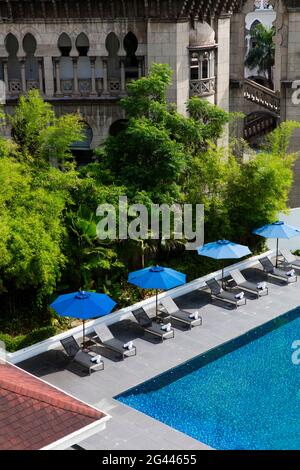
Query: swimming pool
point(243, 395)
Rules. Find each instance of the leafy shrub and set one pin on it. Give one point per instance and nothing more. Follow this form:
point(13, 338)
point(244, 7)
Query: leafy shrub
point(23, 341)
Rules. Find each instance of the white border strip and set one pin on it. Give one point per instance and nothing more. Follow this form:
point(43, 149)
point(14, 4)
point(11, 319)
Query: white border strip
point(78, 436)
point(125, 313)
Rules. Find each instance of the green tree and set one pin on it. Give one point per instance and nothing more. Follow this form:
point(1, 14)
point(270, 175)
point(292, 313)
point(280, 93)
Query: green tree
point(31, 227)
point(153, 153)
point(262, 54)
point(39, 134)
point(260, 187)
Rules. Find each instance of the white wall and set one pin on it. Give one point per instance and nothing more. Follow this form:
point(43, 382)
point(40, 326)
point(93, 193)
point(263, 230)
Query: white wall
point(293, 218)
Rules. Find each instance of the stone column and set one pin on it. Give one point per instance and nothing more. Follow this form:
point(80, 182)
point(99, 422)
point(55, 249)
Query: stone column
point(212, 63)
point(93, 76)
point(237, 69)
point(23, 75)
point(49, 73)
point(5, 75)
point(200, 62)
point(123, 77)
point(41, 80)
point(105, 77)
point(57, 75)
point(223, 83)
point(140, 67)
point(168, 43)
point(75, 75)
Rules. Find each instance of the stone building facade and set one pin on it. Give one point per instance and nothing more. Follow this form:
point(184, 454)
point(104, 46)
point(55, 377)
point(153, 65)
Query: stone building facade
point(81, 54)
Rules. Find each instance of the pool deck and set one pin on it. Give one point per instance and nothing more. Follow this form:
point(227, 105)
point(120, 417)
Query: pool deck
point(129, 429)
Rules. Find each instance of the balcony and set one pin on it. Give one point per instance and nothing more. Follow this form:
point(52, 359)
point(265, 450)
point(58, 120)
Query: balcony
point(203, 87)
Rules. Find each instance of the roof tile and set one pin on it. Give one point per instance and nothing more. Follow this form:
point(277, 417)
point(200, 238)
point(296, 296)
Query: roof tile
point(34, 414)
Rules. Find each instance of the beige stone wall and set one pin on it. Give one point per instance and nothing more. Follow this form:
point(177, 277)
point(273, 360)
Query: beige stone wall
point(167, 43)
point(47, 35)
point(223, 68)
point(159, 40)
point(99, 115)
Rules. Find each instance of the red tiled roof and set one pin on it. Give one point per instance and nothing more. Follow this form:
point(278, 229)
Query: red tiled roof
point(34, 414)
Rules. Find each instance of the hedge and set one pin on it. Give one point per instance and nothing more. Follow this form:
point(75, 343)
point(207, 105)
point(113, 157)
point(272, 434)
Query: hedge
point(14, 343)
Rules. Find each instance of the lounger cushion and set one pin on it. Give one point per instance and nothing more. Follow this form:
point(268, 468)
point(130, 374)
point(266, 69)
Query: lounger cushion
point(271, 269)
point(281, 273)
point(185, 316)
point(115, 344)
point(228, 296)
point(250, 286)
point(84, 359)
point(157, 329)
point(176, 313)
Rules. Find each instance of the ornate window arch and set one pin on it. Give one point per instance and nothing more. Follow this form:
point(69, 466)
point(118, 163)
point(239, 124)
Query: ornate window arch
point(64, 44)
point(13, 65)
point(31, 66)
point(112, 45)
point(82, 44)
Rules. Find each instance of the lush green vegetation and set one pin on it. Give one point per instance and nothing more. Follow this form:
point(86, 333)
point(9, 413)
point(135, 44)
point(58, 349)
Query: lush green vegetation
point(48, 240)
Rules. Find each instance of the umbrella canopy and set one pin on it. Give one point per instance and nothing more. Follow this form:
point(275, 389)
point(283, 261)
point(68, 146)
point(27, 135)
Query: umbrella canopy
point(277, 230)
point(157, 277)
point(83, 305)
point(224, 249)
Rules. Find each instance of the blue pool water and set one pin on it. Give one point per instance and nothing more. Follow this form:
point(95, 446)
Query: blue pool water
point(243, 395)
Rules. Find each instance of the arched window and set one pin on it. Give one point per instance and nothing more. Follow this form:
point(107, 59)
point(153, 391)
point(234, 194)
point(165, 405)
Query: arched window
point(66, 66)
point(13, 64)
point(64, 45)
point(31, 67)
point(112, 45)
point(84, 70)
point(82, 45)
point(11, 44)
point(131, 62)
point(130, 46)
